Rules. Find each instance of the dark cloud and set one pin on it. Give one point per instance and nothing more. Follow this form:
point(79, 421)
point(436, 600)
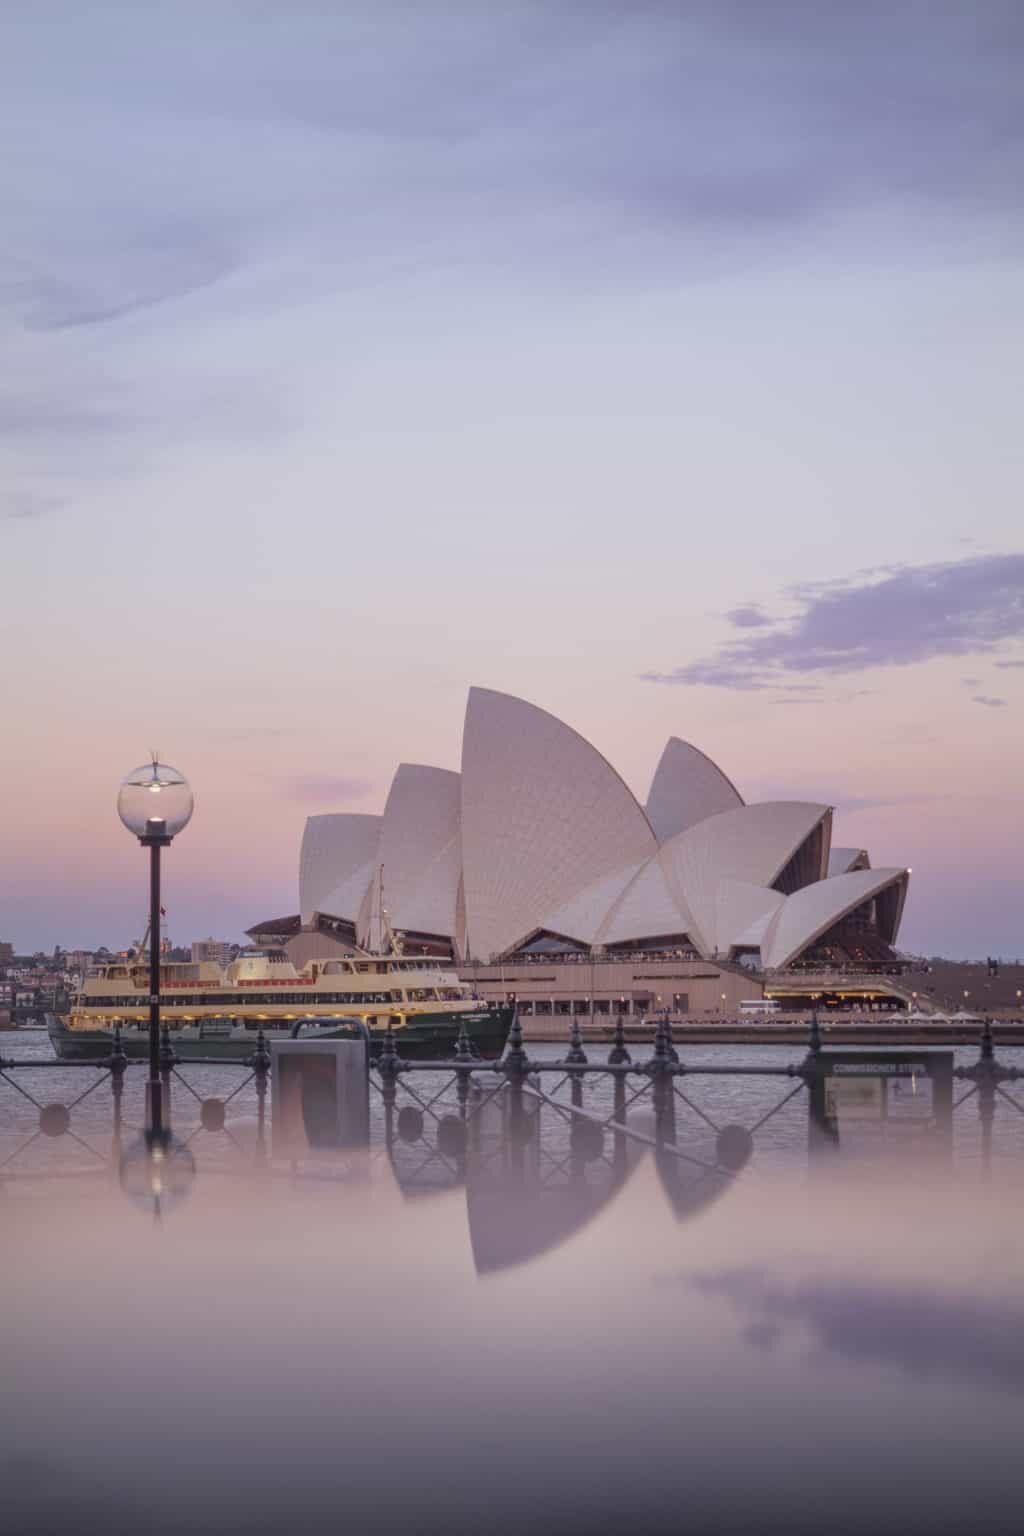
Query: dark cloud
point(748, 617)
point(918, 1330)
point(448, 132)
point(24, 506)
point(140, 269)
point(903, 615)
point(971, 682)
point(322, 147)
point(325, 792)
point(32, 414)
point(990, 703)
point(1008, 664)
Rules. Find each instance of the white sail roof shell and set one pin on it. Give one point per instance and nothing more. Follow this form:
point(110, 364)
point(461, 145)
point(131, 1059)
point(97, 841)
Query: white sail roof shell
point(687, 787)
point(752, 844)
point(541, 833)
point(743, 912)
point(808, 913)
point(583, 915)
point(648, 908)
point(543, 816)
point(335, 863)
point(419, 851)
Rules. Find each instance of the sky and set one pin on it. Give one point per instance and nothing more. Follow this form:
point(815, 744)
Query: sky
point(656, 362)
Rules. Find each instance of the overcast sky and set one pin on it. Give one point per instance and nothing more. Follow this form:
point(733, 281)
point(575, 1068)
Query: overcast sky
point(657, 362)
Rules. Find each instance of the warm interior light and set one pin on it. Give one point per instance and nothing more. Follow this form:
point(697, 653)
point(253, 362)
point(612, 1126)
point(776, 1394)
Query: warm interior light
point(140, 815)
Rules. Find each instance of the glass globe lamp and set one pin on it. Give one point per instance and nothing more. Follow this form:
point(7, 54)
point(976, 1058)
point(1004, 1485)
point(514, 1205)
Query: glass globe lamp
point(155, 801)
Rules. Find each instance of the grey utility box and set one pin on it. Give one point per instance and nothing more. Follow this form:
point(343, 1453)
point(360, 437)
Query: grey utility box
point(321, 1096)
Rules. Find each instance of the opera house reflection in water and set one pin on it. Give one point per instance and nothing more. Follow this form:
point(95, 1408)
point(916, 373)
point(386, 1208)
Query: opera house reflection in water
point(570, 1300)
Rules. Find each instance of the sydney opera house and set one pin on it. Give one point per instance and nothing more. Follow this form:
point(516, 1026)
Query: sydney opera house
point(537, 856)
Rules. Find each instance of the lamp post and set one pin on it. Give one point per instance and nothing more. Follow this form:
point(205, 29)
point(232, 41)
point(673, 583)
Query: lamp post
point(155, 804)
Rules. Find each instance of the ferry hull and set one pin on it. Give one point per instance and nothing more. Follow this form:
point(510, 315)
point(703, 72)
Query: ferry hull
point(424, 1037)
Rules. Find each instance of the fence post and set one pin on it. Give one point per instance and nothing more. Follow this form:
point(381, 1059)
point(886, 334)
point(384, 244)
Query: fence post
point(117, 1065)
point(261, 1069)
point(659, 1068)
point(619, 1056)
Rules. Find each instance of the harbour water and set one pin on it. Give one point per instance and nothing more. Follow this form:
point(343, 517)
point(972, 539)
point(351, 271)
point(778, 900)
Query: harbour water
point(531, 1333)
point(781, 1141)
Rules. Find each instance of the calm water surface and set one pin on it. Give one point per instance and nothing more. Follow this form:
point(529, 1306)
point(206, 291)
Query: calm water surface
point(530, 1328)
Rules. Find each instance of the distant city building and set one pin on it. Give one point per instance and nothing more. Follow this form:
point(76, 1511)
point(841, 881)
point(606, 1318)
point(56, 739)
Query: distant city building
point(6, 952)
point(218, 950)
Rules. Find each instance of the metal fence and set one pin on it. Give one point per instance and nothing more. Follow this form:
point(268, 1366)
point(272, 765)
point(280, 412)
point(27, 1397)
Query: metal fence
point(575, 1121)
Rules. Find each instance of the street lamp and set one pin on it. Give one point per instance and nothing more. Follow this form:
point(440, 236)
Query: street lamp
point(155, 804)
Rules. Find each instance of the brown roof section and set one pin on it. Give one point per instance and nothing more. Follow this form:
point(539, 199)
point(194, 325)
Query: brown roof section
point(285, 927)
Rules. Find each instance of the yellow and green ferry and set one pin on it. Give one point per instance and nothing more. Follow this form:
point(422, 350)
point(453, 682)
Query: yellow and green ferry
point(217, 1011)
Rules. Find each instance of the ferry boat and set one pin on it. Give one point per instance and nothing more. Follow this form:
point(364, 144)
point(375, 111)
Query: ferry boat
point(216, 1011)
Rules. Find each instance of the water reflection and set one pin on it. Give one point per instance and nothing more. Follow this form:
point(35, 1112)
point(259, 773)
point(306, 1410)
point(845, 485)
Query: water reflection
point(551, 1301)
point(974, 1337)
point(157, 1172)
